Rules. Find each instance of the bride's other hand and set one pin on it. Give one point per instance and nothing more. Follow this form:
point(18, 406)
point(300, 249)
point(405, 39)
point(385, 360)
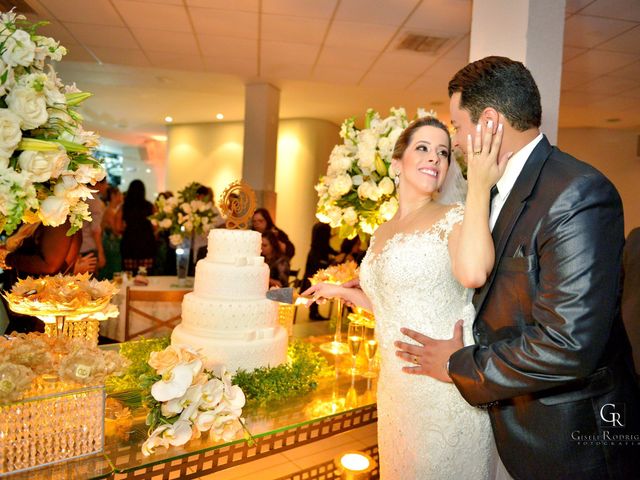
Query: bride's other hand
point(430, 357)
point(353, 283)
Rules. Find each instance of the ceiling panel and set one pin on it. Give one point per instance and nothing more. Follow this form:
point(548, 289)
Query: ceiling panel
point(608, 85)
point(296, 30)
point(121, 56)
point(100, 13)
point(284, 52)
point(227, 23)
point(346, 58)
point(628, 42)
point(382, 13)
point(159, 41)
point(403, 63)
point(359, 36)
point(441, 18)
point(239, 5)
point(300, 8)
point(231, 65)
point(228, 47)
point(598, 62)
point(176, 61)
point(102, 35)
point(622, 9)
point(587, 32)
point(148, 15)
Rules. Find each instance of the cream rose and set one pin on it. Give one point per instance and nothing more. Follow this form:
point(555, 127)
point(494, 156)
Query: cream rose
point(349, 216)
point(10, 133)
point(340, 185)
point(19, 49)
point(54, 211)
point(389, 208)
point(386, 186)
point(29, 105)
point(43, 166)
point(165, 223)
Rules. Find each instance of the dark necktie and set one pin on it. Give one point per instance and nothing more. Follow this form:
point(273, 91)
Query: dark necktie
point(492, 194)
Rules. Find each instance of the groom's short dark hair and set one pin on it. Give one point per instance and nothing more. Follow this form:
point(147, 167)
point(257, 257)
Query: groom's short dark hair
point(500, 83)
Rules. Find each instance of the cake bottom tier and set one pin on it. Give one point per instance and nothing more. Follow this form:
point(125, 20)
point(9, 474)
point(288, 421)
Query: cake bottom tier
point(235, 354)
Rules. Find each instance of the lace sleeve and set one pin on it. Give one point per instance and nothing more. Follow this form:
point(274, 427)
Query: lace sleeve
point(454, 216)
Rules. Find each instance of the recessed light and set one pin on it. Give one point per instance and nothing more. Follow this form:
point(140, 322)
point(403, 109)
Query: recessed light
point(159, 138)
point(148, 170)
point(168, 119)
point(219, 116)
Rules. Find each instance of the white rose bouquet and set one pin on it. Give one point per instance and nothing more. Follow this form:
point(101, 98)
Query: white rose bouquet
point(46, 165)
point(185, 214)
point(358, 192)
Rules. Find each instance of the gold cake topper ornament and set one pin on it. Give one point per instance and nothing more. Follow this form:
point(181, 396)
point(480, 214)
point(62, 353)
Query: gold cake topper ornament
point(238, 202)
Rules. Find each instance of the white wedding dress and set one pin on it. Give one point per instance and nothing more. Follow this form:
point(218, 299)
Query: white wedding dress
point(426, 430)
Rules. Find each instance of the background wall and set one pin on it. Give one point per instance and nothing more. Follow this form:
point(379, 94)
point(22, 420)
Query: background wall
point(212, 154)
point(614, 153)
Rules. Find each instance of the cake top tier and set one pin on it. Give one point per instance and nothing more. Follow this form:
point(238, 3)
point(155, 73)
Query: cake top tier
point(227, 246)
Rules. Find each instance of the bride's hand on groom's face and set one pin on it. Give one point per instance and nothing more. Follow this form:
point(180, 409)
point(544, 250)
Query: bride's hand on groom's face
point(484, 168)
point(430, 357)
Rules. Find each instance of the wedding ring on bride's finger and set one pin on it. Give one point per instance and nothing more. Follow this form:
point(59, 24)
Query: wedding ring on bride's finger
point(414, 359)
point(476, 153)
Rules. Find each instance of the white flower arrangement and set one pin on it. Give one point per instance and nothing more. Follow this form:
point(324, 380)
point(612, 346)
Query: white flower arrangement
point(185, 214)
point(187, 400)
point(45, 155)
point(358, 192)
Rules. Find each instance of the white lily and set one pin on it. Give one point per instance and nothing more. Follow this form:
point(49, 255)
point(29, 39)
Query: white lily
point(174, 383)
point(212, 393)
point(154, 441)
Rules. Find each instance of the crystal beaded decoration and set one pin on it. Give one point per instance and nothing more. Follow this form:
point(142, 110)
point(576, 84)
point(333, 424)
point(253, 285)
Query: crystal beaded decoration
point(86, 329)
point(53, 422)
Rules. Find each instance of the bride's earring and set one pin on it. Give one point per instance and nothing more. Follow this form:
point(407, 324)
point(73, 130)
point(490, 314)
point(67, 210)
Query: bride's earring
point(396, 180)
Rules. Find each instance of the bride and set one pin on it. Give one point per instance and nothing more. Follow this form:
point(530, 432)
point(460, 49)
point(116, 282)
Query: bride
point(416, 274)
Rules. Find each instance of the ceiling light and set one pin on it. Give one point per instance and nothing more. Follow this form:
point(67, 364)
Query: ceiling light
point(168, 119)
point(219, 116)
point(159, 138)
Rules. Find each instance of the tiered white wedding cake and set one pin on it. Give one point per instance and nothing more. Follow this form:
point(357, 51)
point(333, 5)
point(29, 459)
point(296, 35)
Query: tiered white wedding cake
point(227, 316)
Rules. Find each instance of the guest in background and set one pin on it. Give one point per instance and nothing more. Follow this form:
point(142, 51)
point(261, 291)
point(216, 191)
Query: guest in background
point(138, 247)
point(350, 250)
point(200, 242)
point(92, 231)
point(319, 257)
point(262, 222)
point(112, 228)
point(631, 292)
point(277, 261)
point(40, 250)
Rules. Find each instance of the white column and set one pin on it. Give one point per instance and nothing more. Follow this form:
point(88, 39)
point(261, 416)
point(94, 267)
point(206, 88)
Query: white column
point(261, 116)
point(530, 31)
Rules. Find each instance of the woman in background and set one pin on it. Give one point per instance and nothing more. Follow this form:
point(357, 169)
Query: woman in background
point(262, 222)
point(277, 261)
point(138, 247)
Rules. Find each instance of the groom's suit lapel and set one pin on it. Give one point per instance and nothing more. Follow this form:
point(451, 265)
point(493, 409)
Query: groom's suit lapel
point(513, 207)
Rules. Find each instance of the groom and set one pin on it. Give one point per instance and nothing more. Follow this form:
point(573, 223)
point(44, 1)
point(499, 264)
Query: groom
point(552, 361)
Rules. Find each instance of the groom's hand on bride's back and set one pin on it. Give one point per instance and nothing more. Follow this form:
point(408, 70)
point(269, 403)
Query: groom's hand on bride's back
point(431, 356)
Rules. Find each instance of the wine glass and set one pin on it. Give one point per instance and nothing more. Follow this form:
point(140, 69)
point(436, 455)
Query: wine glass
point(370, 349)
point(354, 337)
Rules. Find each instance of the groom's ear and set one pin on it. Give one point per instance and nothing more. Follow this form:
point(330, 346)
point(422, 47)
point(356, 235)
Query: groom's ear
point(490, 114)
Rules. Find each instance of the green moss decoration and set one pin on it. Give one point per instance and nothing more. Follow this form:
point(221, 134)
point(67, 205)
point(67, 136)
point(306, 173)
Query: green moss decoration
point(138, 353)
point(298, 377)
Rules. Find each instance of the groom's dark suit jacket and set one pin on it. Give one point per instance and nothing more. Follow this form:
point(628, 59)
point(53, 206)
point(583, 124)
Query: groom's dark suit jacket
point(552, 361)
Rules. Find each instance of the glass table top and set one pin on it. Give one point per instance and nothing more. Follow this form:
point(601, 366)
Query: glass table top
point(339, 393)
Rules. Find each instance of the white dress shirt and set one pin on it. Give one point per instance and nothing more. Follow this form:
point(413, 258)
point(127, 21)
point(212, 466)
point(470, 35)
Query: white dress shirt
point(509, 177)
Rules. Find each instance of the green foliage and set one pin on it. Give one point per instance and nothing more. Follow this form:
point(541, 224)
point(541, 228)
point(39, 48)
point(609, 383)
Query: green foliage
point(139, 374)
point(297, 377)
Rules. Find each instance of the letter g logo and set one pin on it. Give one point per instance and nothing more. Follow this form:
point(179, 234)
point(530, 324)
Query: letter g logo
point(612, 414)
